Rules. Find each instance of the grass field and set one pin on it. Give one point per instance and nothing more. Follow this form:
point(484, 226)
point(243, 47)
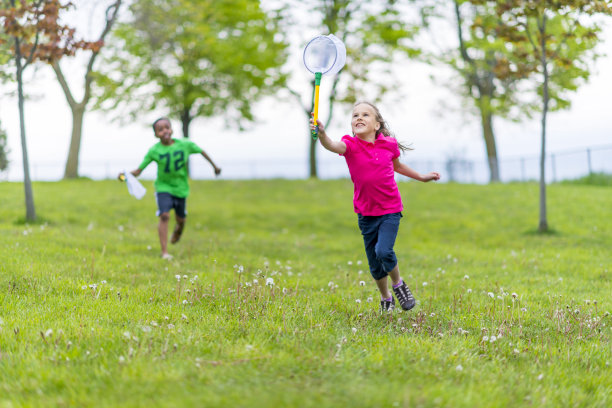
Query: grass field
point(269, 301)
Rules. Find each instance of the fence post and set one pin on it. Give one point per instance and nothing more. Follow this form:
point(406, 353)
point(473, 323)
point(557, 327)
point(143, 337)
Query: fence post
point(589, 161)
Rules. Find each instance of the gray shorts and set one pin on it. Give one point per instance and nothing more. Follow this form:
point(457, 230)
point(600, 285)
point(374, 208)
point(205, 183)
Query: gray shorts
point(167, 202)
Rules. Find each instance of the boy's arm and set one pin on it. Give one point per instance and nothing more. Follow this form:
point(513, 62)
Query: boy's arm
point(331, 145)
point(207, 157)
point(404, 170)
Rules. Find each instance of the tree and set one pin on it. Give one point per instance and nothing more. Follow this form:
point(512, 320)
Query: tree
point(4, 162)
point(480, 59)
point(78, 107)
point(33, 31)
point(374, 34)
point(194, 59)
point(560, 38)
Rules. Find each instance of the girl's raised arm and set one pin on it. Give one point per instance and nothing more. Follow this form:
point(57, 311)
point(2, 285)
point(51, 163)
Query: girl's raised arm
point(331, 145)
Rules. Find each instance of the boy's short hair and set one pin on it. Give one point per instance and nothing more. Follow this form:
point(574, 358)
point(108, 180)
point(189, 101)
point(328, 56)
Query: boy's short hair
point(157, 120)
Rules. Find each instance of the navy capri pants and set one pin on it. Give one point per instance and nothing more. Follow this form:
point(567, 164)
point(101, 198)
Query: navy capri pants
point(379, 233)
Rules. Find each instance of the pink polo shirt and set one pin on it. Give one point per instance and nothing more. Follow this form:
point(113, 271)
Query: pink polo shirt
point(371, 168)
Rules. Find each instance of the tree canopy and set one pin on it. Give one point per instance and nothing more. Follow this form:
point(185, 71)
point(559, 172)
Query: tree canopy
point(193, 59)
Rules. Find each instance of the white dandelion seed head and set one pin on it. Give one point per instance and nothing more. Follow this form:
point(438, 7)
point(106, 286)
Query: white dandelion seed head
point(424, 283)
point(178, 277)
point(354, 330)
point(485, 338)
point(255, 282)
point(459, 368)
point(469, 290)
point(369, 299)
point(540, 377)
point(269, 282)
point(358, 300)
point(49, 333)
point(185, 301)
point(466, 277)
point(493, 339)
point(350, 262)
point(514, 295)
point(146, 329)
point(491, 295)
point(361, 283)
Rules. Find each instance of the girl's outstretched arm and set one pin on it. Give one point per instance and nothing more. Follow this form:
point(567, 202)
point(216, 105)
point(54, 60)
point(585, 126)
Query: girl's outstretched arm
point(331, 145)
point(404, 170)
point(217, 169)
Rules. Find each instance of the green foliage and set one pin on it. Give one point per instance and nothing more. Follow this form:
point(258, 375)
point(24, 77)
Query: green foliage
point(593, 179)
point(91, 316)
point(193, 58)
point(4, 162)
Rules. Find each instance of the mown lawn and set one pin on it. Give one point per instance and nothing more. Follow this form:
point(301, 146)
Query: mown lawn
point(269, 301)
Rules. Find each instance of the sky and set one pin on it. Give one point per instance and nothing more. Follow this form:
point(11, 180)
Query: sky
point(280, 136)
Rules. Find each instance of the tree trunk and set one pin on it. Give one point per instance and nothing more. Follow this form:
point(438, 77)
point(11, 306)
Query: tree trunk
point(72, 163)
point(313, 157)
point(543, 223)
point(489, 138)
point(186, 119)
point(27, 182)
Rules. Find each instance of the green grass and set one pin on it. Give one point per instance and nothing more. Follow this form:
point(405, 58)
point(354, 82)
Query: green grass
point(140, 337)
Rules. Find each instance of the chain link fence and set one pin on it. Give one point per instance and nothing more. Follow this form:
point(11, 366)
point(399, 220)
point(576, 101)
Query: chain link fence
point(562, 165)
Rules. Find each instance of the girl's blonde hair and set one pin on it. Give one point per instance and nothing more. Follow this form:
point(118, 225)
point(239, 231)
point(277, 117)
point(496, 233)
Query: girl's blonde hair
point(384, 127)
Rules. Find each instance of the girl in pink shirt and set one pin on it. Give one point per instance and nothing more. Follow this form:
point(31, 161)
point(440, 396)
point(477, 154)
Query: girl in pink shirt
point(372, 155)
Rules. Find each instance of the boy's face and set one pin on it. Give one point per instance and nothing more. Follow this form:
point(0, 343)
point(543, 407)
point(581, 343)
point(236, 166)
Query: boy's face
point(163, 131)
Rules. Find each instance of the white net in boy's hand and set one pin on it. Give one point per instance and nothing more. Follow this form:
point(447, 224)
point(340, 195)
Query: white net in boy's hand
point(134, 187)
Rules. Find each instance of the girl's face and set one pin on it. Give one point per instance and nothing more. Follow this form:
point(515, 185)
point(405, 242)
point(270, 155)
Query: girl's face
point(163, 131)
point(364, 121)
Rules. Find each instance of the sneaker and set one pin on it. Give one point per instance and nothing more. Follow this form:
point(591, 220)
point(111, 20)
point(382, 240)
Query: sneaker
point(404, 296)
point(387, 305)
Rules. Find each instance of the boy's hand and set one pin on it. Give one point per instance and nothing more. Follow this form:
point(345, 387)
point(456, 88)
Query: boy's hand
point(121, 176)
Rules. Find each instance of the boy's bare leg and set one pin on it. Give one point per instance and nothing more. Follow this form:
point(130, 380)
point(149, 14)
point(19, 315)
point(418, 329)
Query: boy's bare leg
point(162, 230)
point(178, 230)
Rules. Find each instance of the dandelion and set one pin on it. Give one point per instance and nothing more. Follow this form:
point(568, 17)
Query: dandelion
point(516, 351)
point(84, 287)
point(120, 228)
point(493, 339)
point(424, 284)
point(178, 277)
point(354, 330)
point(432, 315)
point(491, 295)
point(358, 262)
point(350, 262)
point(49, 333)
point(469, 290)
point(170, 326)
point(127, 335)
point(285, 291)
point(148, 247)
point(540, 377)
point(185, 276)
point(465, 277)
point(154, 323)
point(523, 309)
point(248, 347)
point(587, 301)
point(369, 299)
point(459, 368)
point(146, 329)
point(330, 284)
point(93, 286)
point(269, 282)
point(485, 338)
point(358, 300)
point(255, 282)
point(121, 359)
point(361, 283)
point(184, 317)
point(514, 295)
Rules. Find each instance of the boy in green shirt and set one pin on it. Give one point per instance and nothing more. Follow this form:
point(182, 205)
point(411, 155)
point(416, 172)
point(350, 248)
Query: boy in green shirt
point(171, 185)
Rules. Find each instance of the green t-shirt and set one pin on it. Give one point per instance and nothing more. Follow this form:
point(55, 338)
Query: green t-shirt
point(171, 166)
